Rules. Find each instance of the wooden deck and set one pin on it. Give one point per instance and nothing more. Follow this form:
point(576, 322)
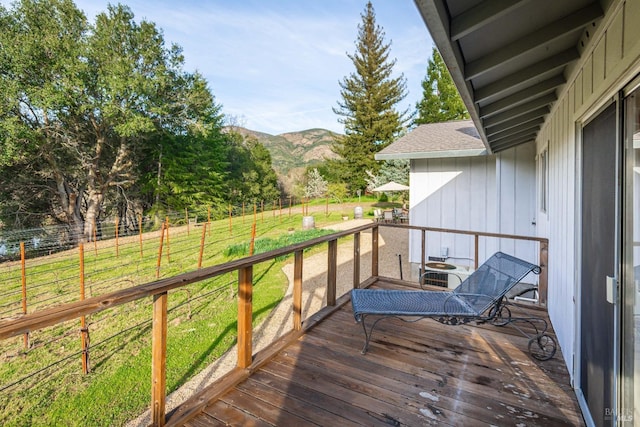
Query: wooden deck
point(421, 373)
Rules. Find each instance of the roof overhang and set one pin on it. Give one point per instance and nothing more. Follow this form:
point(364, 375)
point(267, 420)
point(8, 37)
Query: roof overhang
point(431, 154)
point(510, 58)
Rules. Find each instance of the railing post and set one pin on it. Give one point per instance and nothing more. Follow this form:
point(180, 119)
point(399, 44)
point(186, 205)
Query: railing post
point(297, 291)
point(159, 359)
point(476, 248)
point(356, 260)
point(332, 271)
point(423, 254)
point(374, 251)
point(544, 273)
point(245, 315)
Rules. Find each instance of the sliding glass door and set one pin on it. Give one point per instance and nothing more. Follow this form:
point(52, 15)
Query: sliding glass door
point(629, 409)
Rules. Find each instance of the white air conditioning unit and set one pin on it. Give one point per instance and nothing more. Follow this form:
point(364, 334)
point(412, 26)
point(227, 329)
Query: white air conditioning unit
point(440, 273)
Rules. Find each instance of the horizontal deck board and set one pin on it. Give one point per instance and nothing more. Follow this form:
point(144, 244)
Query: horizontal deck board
point(422, 373)
point(482, 386)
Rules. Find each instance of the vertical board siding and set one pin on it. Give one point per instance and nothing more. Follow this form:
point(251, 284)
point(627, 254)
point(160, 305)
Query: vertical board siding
point(460, 244)
point(587, 78)
point(484, 193)
point(598, 62)
point(449, 193)
point(609, 62)
point(631, 30)
point(613, 52)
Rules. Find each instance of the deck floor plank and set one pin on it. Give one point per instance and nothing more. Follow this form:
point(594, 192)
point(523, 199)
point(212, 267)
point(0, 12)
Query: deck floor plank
point(230, 415)
point(477, 366)
point(481, 386)
point(265, 390)
point(421, 373)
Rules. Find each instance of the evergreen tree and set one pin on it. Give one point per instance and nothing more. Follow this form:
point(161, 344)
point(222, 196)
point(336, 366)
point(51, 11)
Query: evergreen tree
point(367, 110)
point(441, 101)
point(250, 175)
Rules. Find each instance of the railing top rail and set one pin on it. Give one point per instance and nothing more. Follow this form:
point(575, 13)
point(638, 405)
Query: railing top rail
point(70, 311)
point(471, 233)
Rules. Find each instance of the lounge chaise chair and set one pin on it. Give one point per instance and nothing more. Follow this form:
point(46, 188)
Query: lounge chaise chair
point(481, 297)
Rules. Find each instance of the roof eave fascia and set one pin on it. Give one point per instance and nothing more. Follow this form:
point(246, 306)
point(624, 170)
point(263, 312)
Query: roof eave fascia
point(431, 154)
point(435, 17)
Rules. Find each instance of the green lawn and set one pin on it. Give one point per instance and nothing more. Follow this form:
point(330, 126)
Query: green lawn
point(45, 385)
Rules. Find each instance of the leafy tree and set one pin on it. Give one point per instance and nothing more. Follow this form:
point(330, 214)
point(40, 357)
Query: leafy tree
point(367, 110)
point(81, 104)
point(337, 191)
point(441, 100)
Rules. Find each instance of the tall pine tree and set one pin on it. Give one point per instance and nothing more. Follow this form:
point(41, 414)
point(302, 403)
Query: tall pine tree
point(367, 110)
point(441, 101)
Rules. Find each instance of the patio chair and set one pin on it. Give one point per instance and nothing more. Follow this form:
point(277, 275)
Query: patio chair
point(481, 297)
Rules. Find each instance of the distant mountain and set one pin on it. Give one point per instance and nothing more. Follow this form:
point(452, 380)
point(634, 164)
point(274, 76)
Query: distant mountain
point(295, 149)
point(292, 152)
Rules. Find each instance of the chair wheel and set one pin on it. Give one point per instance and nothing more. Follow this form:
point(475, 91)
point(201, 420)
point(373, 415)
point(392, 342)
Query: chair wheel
point(502, 317)
point(542, 347)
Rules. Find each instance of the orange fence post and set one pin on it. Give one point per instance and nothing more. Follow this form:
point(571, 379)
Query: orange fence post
point(186, 215)
point(117, 227)
point(204, 231)
point(84, 330)
point(160, 251)
point(253, 238)
point(140, 228)
point(23, 267)
point(168, 250)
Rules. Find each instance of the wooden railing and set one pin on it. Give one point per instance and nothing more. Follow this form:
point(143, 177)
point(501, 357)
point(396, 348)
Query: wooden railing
point(159, 289)
point(542, 257)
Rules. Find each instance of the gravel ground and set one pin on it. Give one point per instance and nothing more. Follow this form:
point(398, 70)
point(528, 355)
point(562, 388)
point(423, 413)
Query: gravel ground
point(392, 241)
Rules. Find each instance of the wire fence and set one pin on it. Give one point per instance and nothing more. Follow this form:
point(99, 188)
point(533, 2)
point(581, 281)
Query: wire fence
point(39, 268)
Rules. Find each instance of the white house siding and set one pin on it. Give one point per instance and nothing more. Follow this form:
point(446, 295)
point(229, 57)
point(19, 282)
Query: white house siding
point(482, 193)
point(611, 61)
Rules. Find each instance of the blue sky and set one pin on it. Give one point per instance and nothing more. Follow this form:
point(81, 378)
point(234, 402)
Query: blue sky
point(275, 65)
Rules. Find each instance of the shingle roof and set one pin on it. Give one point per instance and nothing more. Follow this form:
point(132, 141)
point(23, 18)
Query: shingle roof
point(449, 139)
